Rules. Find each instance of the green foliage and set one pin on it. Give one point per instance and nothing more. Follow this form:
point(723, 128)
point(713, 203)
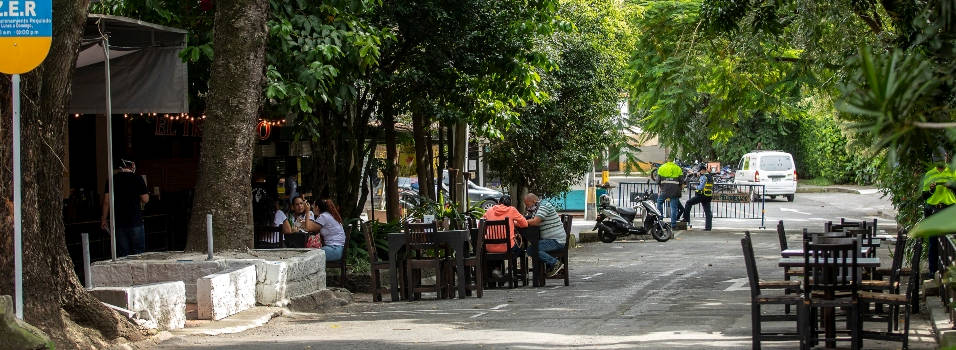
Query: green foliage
point(558, 139)
point(442, 209)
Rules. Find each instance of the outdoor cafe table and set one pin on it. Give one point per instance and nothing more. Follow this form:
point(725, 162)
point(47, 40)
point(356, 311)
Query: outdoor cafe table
point(798, 252)
point(457, 240)
point(829, 316)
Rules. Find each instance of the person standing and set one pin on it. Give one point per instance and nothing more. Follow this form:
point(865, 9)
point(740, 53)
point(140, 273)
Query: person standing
point(131, 195)
point(552, 232)
point(938, 194)
point(705, 190)
point(669, 180)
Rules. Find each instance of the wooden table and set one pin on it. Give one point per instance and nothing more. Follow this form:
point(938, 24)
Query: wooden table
point(798, 252)
point(457, 240)
point(799, 262)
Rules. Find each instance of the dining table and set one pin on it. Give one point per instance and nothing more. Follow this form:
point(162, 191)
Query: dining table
point(457, 240)
point(798, 252)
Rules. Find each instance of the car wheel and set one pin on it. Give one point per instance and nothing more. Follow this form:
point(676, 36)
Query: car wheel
point(773, 197)
point(487, 204)
point(790, 198)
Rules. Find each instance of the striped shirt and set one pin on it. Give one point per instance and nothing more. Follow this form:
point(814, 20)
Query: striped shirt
point(551, 226)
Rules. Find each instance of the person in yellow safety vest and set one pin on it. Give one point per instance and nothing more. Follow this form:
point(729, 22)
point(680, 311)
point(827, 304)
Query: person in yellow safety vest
point(705, 190)
point(669, 179)
point(939, 185)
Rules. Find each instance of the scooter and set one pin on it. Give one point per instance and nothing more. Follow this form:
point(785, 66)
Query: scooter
point(613, 222)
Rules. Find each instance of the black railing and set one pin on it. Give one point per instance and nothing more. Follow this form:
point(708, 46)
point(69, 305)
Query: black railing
point(947, 260)
point(730, 201)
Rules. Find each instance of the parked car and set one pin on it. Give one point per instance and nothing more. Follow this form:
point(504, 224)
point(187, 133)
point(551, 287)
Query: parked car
point(773, 169)
point(476, 194)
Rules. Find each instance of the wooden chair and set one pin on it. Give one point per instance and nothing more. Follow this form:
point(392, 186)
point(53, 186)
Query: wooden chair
point(417, 238)
point(499, 232)
point(831, 281)
point(562, 254)
point(758, 299)
point(269, 237)
point(897, 300)
point(787, 271)
point(375, 265)
point(341, 263)
point(474, 276)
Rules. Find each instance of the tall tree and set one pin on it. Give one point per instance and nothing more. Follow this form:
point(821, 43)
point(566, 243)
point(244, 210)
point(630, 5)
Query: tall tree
point(54, 299)
point(224, 186)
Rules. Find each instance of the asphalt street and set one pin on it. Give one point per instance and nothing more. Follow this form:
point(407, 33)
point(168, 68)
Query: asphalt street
point(689, 292)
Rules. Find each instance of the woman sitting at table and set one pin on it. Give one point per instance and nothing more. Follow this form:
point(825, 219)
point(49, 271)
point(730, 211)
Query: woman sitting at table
point(329, 224)
point(299, 224)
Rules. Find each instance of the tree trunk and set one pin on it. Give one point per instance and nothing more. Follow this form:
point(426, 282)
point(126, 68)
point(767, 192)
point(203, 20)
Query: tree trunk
point(54, 299)
point(390, 173)
point(423, 160)
point(224, 186)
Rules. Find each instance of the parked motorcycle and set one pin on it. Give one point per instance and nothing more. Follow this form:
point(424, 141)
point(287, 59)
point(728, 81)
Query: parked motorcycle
point(726, 176)
point(613, 222)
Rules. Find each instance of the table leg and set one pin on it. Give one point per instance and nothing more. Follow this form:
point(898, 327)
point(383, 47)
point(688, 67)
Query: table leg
point(460, 262)
point(393, 268)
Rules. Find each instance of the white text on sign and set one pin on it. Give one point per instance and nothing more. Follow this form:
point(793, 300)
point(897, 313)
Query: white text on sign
point(13, 9)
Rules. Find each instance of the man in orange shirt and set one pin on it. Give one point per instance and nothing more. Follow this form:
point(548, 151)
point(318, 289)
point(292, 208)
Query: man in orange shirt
point(504, 211)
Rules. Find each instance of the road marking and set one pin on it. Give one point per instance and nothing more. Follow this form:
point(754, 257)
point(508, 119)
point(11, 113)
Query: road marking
point(498, 307)
point(737, 284)
point(794, 211)
point(478, 315)
point(869, 191)
point(592, 276)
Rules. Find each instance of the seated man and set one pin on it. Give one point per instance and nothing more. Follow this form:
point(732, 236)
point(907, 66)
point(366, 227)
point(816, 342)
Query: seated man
point(504, 211)
point(552, 232)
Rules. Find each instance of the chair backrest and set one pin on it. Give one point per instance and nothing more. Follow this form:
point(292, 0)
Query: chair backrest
point(831, 265)
point(751, 263)
point(566, 221)
point(898, 252)
point(478, 240)
point(781, 235)
point(417, 235)
point(497, 232)
point(914, 266)
point(370, 243)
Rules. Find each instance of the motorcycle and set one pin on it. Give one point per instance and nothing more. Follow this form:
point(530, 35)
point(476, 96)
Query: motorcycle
point(613, 222)
point(726, 176)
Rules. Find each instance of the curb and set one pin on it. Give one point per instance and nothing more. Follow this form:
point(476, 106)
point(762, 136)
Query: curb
point(242, 321)
point(942, 328)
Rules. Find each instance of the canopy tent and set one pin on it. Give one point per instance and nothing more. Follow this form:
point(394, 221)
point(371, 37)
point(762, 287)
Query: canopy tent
point(142, 61)
point(145, 72)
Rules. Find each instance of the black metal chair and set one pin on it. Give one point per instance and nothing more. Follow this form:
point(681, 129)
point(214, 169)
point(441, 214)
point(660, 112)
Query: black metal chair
point(269, 237)
point(896, 301)
point(474, 277)
point(562, 254)
point(758, 299)
point(831, 281)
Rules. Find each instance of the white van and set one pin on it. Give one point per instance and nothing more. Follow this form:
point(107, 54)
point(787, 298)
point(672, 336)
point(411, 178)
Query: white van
point(774, 169)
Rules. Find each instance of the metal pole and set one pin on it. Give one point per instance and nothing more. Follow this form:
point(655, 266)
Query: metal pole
point(17, 204)
point(86, 261)
point(209, 236)
point(109, 146)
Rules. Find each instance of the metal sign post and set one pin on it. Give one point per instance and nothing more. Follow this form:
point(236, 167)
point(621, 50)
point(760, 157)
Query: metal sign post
point(25, 36)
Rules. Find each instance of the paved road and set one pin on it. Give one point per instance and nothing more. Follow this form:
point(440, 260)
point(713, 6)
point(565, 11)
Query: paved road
point(690, 293)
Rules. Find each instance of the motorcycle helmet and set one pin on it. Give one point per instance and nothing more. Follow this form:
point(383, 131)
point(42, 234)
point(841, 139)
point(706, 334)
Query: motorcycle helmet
point(605, 200)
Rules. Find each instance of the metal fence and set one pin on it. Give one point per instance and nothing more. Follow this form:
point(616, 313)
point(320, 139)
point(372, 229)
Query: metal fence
point(947, 260)
point(730, 201)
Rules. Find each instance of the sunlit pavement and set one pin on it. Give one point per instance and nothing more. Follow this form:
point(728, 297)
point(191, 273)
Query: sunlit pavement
point(690, 292)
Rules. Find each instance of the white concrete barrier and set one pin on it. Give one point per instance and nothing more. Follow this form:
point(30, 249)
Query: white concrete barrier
point(222, 294)
point(162, 305)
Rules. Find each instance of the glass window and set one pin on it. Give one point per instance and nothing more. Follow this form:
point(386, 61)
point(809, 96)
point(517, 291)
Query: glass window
point(776, 163)
point(741, 165)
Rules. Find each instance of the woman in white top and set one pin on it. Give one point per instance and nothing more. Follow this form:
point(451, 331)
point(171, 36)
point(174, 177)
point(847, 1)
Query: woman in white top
point(329, 223)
